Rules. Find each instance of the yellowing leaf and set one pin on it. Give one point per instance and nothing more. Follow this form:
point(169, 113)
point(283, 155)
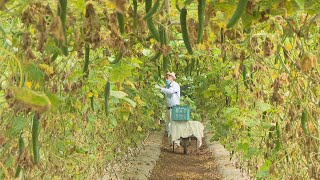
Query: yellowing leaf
point(274, 76)
point(118, 94)
point(47, 69)
point(29, 84)
point(129, 83)
point(90, 94)
point(221, 24)
point(109, 4)
point(139, 101)
point(212, 36)
point(139, 128)
point(37, 86)
point(26, 98)
point(201, 47)
point(288, 47)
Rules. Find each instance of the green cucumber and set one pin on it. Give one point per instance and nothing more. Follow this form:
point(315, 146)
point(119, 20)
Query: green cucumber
point(183, 23)
point(86, 60)
point(278, 132)
point(237, 92)
point(148, 5)
point(35, 135)
point(135, 14)
point(118, 58)
point(201, 13)
point(91, 101)
point(153, 29)
point(152, 10)
point(120, 22)
point(222, 35)
point(177, 6)
point(244, 76)
point(238, 13)
point(106, 97)
point(304, 119)
point(166, 61)
point(62, 13)
point(18, 171)
point(161, 34)
point(156, 56)
point(21, 145)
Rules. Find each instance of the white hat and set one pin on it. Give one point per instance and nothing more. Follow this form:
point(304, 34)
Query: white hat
point(172, 74)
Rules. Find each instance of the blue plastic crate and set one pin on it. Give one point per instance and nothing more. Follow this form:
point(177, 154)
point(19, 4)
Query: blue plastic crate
point(180, 113)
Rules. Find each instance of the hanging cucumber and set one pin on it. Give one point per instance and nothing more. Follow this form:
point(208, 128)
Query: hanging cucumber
point(150, 24)
point(91, 100)
point(165, 63)
point(153, 29)
point(86, 60)
point(135, 14)
point(120, 22)
point(183, 23)
point(222, 35)
point(244, 76)
point(304, 119)
point(148, 5)
point(152, 10)
point(201, 12)
point(278, 132)
point(21, 145)
point(159, 71)
point(177, 6)
point(156, 56)
point(238, 13)
point(192, 65)
point(35, 135)
point(237, 92)
point(62, 13)
point(161, 34)
point(18, 171)
point(106, 97)
point(118, 58)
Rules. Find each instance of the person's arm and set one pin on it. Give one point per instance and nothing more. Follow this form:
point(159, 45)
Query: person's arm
point(173, 89)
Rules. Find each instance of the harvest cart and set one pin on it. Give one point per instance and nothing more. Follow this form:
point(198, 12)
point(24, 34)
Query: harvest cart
point(184, 129)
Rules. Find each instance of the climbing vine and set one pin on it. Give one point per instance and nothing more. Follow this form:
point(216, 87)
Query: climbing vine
point(77, 81)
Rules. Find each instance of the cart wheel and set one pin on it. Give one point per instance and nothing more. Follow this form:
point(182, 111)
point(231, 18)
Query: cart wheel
point(185, 145)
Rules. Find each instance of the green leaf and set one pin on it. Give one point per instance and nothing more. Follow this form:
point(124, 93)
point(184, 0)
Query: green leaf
point(118, 94)
point(9, 162)
point(300, 3)
point(120, 72)
point(263, 106)
point(26, 98)
point(263, 172)
point(243, 147)
point(131, 102)
point(18, 124)
point(228, 90)
point(231, 112)
point(251, 122)
point(113, 122)
point(56, 101)
point(92, 118)
point(187, 2)
point(34, 73)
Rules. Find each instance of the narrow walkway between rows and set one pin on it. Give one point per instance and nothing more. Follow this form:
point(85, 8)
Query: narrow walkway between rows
point(177, 165)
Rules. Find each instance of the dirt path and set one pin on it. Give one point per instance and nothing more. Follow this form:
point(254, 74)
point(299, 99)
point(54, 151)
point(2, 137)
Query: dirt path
point(176, 165)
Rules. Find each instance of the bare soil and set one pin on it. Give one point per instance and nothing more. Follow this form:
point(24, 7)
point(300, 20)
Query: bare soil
point(177, 165)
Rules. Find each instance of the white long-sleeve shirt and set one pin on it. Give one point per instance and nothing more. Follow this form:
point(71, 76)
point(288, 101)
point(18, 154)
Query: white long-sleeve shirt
point(172, 94)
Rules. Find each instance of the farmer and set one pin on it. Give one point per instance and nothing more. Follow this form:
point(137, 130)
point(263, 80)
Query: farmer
point(172, 93)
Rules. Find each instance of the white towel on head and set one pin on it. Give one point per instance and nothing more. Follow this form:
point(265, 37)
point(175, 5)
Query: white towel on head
point(186, 129)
